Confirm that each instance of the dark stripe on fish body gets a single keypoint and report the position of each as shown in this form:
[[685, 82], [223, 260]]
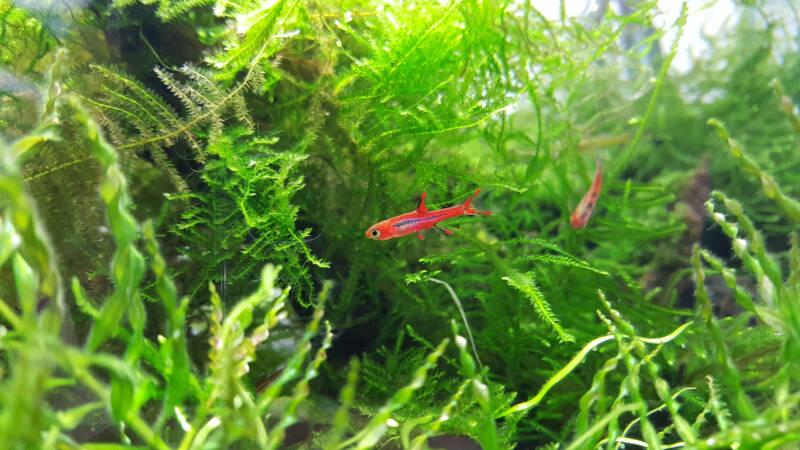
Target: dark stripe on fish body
[[403, 223]]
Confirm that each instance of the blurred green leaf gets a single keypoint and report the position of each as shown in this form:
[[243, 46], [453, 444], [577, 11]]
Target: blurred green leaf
[[26, 283]]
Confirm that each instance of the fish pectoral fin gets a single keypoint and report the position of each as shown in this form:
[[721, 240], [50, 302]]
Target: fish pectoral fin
[[419, 235], [447, 232]]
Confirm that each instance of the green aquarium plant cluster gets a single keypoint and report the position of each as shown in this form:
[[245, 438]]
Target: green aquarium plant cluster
[[185, 189]]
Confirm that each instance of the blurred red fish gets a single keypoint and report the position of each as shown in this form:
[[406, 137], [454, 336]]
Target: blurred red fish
[[584, 210]]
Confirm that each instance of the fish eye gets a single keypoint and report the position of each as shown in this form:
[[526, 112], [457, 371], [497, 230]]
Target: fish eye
[[375, 233]]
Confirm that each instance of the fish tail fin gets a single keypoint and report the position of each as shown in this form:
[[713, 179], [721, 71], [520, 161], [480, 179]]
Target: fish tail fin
[[469, 210]]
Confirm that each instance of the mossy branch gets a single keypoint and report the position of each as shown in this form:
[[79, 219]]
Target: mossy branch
[[786, 105], [526, 284], [772, 190], [742, 402]]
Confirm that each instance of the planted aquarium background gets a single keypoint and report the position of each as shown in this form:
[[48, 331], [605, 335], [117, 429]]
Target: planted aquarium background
[[187, 189]]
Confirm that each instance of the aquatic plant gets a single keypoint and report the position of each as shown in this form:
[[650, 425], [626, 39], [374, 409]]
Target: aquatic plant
[[222, 292], [214, 409]]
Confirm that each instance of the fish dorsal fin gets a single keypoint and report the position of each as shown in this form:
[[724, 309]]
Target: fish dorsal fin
[[421, 207]]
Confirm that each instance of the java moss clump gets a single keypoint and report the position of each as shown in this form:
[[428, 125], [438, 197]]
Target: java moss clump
[[185, 188]]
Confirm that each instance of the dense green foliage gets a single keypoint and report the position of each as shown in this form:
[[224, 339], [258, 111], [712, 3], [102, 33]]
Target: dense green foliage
[[220, 292]]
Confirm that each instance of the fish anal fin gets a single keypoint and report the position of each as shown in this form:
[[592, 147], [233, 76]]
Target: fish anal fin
[[419, 235]]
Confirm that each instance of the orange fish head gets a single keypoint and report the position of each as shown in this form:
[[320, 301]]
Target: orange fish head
[[578, 220], [378, 232]]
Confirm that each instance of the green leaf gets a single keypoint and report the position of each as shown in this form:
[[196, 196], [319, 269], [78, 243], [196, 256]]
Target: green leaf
[[111, 314], [82, 301], [467, 362], [481, 394], [25, 282], [421, 276], [558, 376], [29, 145], [71, 418], [9, 241], [121, 396], [136, 313]]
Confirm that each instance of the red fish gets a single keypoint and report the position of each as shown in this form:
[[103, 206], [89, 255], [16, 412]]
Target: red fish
[[584, 210], [418, 220]]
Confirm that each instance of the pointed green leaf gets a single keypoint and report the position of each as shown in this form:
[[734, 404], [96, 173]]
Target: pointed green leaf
[[25, 282]]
